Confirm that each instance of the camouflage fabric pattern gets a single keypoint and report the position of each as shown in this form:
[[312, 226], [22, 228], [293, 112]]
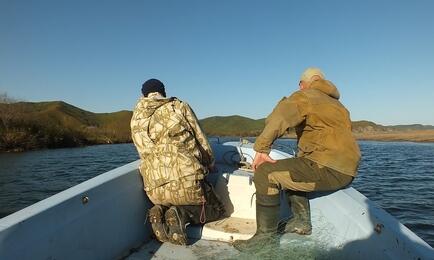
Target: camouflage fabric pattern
[[174, 152]]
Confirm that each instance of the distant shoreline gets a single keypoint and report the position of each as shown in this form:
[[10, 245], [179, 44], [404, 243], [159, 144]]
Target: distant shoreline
[[28, 126], [417, 136]]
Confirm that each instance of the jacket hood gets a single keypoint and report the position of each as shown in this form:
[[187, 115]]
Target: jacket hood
[[326, 87], [147, 106]]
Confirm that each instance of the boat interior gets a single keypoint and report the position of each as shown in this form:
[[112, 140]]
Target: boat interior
[[338, 229]]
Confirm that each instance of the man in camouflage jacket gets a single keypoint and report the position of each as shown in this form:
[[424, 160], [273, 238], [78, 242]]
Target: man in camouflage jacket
[[175, 158]]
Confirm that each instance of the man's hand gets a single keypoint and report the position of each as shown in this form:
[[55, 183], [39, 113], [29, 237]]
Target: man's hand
[[260, 158]]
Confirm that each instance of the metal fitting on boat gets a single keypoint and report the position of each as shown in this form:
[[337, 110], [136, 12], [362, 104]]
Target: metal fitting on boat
[[378, 228], [85, 199]]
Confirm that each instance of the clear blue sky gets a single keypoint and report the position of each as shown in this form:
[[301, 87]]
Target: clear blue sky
[[222, 57]]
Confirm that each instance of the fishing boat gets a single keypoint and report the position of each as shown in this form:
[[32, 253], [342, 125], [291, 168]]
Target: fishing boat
[[105, 218]]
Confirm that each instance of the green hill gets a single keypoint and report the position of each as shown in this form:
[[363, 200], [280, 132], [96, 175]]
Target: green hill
[[368, 126], [232, 126], [243, 126], [29, 125]]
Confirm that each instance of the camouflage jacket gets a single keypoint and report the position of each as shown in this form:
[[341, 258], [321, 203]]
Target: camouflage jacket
[[174, 152]]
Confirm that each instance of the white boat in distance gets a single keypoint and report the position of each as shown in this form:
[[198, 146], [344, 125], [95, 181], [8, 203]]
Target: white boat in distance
[[105, 218]]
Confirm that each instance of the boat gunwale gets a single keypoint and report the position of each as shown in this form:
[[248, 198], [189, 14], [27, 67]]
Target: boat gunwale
[[59, 198]]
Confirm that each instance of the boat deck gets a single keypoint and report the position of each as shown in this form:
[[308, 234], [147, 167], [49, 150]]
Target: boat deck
[[292, 246], [201, 249], [213, 240]]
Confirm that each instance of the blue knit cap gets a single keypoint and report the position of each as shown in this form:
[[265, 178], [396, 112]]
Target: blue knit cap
[[153, 85]]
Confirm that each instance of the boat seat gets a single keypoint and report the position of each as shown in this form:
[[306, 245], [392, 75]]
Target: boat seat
[[230, 185]]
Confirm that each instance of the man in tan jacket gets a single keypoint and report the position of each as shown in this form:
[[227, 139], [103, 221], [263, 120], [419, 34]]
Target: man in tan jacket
[[175, 158], [327, 159]]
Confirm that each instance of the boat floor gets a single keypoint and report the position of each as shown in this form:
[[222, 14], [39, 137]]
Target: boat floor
[[291, 247], [319, 245], [200, 249]]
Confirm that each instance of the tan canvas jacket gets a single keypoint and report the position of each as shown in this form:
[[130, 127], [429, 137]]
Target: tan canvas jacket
[[174, 152], [322, 124]]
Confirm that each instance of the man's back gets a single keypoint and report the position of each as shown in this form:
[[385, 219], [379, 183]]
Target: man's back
[[322, 124], [175, 157], [159, 122], [325, 136], [172, 160]]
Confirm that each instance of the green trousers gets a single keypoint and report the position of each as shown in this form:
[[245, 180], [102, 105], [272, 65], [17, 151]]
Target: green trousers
[[297, 174]]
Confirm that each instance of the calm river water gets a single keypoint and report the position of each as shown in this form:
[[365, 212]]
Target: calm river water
[[399, 176]]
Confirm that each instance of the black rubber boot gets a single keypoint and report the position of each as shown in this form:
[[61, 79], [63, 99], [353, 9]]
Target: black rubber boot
[[267, 217], [158, 226], [300, 222], [176, 221]]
